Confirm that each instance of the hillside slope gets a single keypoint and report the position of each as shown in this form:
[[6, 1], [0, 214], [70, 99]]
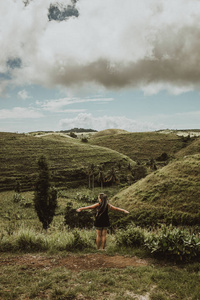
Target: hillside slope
[[141, 146], [68, 159], [170, 195], [108, 132], [193, 148]]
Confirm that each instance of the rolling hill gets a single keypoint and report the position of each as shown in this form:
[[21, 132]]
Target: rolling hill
[[192, 148], [169, 195], [68, 159], [141, 146]]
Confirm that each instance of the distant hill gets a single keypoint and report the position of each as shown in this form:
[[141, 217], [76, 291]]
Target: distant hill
[[77, 130], [192, 148], [68, 159], [141, 146], [169, 195], [108, 132]]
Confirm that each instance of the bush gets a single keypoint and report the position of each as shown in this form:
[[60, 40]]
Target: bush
[[81, 220], [85, 198], [132, 236], [174, 243], [17, 197], [29, 241], [84, 140], [78, 242]]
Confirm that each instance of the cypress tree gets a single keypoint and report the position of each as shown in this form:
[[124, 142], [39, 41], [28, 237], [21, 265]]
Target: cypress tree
[[45, 199]]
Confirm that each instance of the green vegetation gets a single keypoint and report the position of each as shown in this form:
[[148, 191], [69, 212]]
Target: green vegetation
[[68, 160], [141, 146], [45, 198], [161, 191], [174, 244], [169, 195]]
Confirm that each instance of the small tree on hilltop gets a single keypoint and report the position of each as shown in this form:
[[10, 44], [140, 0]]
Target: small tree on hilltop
[[45, 199]]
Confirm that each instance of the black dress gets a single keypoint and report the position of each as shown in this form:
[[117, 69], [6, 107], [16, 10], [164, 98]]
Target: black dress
[[102, 220]]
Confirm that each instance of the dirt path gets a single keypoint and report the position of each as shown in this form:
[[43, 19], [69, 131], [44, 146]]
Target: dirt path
[[73, 262]]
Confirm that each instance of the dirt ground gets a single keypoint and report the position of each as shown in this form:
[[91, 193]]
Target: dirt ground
[[75, 263]]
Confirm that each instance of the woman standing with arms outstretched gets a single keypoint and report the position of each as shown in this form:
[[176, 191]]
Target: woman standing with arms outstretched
[[102, 219]]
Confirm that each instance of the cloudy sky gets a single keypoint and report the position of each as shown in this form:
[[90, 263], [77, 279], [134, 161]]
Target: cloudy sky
[[128, 64]]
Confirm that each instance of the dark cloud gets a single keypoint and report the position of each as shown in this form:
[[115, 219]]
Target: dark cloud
[[174, 60], [14, 63], [61, 13]]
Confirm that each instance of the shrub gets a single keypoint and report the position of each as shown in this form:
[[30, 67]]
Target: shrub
[[132, 236], [73, 135], [174, 243], [81, 220], [28, 240], [17, 197], [85, 198], [78, 242], [84, 140]]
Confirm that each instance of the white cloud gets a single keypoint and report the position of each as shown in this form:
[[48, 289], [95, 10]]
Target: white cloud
[[112, 43], [23, 94], [57, 105], [85, 120], [19, 113]]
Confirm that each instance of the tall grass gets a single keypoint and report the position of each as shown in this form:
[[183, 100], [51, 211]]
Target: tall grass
[[30, 240]]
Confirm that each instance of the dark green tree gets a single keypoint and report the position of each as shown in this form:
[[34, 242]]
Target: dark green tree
[[112, 176], [91, 172], [101, 177], [45, 199]]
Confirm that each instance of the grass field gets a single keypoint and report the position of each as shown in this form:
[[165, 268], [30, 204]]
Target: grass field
[[156, 282], [40, 266], [69, 159], [141, 146], [63, 263]]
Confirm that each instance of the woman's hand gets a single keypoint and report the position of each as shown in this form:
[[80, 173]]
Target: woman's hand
[[126, 211], [78, 210]]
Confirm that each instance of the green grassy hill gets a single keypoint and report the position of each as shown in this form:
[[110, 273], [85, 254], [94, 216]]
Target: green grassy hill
[[192, 148], [169, 195], [68, 159], [141, 146], [109, 132]]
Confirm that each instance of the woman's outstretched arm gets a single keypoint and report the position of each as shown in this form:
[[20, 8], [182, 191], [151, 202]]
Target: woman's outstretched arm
[[87, 207], [118, 209]]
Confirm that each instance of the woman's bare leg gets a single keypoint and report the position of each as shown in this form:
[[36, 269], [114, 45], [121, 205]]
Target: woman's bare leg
[[98, 239], [104, 232]]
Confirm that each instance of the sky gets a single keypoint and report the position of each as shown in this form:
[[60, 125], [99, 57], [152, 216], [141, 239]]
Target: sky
[[99, 64]]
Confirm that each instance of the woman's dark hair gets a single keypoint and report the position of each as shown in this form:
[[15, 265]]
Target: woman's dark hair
[[102, 205]]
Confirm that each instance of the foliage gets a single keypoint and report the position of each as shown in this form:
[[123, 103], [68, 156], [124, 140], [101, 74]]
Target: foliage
[[81, 220], [79, 243], [85, 198], [18, 198], [73, 135], [29, 241], [84, 140], [133, 236], [45, 200], [174, 243]]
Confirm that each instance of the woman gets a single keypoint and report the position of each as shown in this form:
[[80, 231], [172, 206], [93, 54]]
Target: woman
[[102, 219]]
